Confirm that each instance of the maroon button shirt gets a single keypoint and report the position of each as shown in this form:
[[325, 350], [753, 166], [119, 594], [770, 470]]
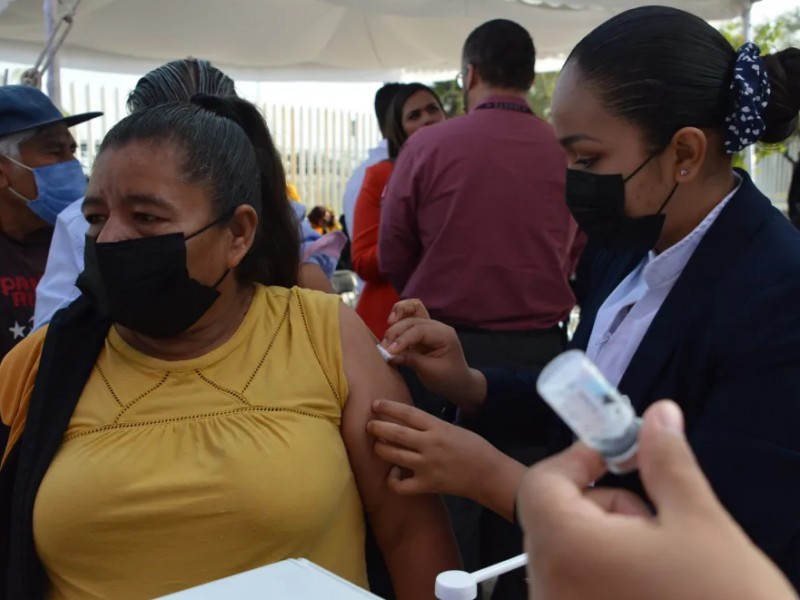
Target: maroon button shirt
[[474, 221]]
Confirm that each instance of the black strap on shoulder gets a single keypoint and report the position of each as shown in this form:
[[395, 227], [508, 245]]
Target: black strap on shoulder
[[74, 339], [7, 477]]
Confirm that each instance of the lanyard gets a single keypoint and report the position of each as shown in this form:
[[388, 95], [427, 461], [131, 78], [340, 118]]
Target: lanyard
[[512, 106]]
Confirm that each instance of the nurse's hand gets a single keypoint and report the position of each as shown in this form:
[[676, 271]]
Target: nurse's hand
[[408, 309], [431, 456], [432, 350], [604, 544]]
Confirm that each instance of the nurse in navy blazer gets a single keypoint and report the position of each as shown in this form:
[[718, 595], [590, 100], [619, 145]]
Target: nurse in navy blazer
[[692, 277]]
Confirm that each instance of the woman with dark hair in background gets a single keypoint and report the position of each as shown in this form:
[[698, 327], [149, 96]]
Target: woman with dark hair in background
[[692, 284], [414, 106], [192, 415]]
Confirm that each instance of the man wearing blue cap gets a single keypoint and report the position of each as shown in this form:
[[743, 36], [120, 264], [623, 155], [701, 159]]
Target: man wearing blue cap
[[39, 176]]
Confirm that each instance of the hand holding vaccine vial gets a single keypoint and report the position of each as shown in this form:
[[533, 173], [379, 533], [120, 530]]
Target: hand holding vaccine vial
[[597, 413]]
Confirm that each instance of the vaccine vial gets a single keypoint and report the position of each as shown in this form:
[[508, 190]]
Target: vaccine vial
[[597, 413]]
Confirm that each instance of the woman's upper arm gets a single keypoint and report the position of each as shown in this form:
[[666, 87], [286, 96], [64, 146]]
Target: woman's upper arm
[[369, 378], [312, 277], [412, 532]]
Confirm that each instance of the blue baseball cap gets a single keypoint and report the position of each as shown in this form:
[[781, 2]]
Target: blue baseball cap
[[23, 108]]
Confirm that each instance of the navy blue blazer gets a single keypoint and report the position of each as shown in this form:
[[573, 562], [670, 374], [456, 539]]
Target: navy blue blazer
[[726, 346]]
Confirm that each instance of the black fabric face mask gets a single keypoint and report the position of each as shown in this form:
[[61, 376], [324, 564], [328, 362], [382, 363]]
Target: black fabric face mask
[[597, 203], [144, 284]]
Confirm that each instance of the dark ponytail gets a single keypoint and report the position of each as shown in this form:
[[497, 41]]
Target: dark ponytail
[[226, 147], [781, 114], [178, 81], [274, 258]]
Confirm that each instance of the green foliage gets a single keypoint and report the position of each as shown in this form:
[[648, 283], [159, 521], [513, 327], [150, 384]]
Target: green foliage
[[542, 93], [776, 35], [14, 76], [771, 37], [452, 97]]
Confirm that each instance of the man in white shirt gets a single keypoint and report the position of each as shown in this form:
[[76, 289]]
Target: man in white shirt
[[383, 98], [64, 262]]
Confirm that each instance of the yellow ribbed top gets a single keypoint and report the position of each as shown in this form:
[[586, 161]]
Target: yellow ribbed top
[[176, 473]]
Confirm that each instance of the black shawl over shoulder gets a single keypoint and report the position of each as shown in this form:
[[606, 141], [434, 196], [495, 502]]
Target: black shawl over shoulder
[[73, 342]]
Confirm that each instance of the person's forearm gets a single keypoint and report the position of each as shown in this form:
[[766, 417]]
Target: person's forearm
[[417, 548], [471, 395], [365, 262], [396, 259], [312, 277], [395, 273], [496, 485]]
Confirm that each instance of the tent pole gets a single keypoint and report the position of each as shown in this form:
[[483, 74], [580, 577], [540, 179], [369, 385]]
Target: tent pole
[[747, 22], [50, 8]]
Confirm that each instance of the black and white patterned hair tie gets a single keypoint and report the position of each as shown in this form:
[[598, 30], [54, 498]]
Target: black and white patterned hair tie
[[750, 88]]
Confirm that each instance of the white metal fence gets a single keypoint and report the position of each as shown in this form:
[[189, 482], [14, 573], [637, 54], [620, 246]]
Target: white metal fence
[[774, 173], [320, 146]]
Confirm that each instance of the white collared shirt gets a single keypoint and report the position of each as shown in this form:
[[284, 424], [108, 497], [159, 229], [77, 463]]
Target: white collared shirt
[[626, 315], [56, 289]]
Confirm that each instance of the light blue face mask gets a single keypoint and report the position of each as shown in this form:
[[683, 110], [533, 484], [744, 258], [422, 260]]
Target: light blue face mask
[[58, 186]]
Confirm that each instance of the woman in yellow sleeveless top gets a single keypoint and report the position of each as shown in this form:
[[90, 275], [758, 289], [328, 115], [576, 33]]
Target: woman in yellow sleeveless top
[[222, 424]]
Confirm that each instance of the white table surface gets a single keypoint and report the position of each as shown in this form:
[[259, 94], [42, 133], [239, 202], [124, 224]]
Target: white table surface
[[295, 579]]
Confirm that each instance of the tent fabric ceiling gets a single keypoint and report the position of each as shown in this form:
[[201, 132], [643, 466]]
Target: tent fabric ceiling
[[335, 36]]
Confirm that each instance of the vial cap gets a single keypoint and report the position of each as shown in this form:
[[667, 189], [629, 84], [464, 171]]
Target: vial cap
[[456, 585]]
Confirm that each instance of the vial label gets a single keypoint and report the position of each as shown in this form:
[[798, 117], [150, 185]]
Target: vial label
[[577, 391], [595, 411]]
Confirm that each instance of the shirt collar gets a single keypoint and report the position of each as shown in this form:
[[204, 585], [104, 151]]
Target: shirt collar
[[664, 268]]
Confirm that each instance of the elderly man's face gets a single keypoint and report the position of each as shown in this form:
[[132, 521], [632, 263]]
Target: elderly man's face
[[50, 145]]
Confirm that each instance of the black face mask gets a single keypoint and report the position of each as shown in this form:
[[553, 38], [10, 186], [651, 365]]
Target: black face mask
[[597, 203], [144, 284]]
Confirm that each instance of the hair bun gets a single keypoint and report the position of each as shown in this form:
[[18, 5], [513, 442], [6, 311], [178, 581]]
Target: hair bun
[[781, 114], [750, 87], [220, 106]]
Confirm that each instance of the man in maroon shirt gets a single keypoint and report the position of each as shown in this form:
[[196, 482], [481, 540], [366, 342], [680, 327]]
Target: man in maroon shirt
[[474, 223]]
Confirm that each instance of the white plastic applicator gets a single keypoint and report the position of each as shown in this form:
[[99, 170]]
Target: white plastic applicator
[[460, 585], [385, 354]]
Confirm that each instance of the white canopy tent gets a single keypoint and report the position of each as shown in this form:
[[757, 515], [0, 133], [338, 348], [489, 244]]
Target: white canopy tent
[[304, 39]]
